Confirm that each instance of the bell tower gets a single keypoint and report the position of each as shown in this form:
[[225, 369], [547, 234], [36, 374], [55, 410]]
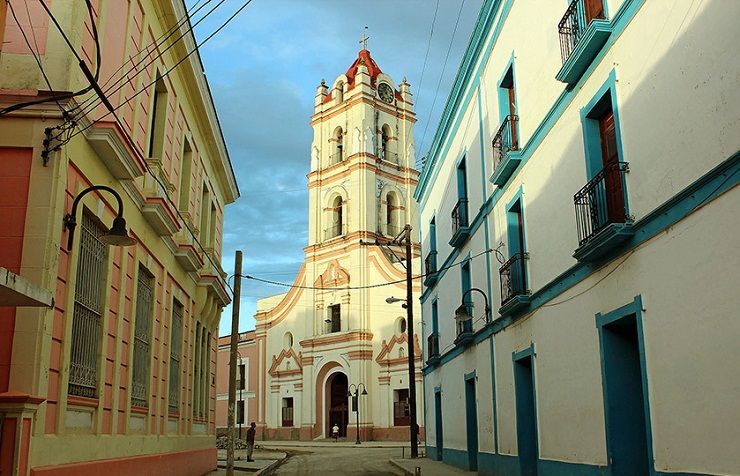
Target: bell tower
[[362, 177]]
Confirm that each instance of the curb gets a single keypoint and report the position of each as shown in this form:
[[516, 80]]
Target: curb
[[401, 467], [271, 466]]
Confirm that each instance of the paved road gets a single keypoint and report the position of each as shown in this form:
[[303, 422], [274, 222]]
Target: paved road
[[345, 460]]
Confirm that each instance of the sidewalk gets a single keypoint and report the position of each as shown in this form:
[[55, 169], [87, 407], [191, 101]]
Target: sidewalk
[[428, 467], [331, 444], [263, 461]]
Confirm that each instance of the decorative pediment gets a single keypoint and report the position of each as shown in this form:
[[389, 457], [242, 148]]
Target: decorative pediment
[[389, 351], [334, 276], [286, 363]]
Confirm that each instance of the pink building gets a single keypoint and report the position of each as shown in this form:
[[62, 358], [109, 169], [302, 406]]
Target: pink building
[[247, 382], [108, 353]]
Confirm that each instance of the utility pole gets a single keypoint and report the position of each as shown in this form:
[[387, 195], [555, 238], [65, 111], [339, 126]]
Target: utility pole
[[232, 361], [410, 331]]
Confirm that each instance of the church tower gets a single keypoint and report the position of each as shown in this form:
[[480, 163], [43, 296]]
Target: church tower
[[333, 328]]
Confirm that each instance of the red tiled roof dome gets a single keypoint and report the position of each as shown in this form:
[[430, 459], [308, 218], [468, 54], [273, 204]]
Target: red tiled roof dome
[[372, 67]]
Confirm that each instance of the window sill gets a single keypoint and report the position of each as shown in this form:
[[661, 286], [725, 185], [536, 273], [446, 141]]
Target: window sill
[[460, 236], [83, 401], [506, 168], [515, 304], [588, 47], [139, 409], [604, 241]]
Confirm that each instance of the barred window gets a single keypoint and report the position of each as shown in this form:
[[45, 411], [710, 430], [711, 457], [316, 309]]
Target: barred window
[[88, 310], [175, 352], [142, 337]]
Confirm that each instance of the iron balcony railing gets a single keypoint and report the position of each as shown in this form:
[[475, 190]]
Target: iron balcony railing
[[334, 231], [573, 25], [430, 263], [513, 277], [433, 345], [601, 201], [464, 327], [460, 215], [505, 140], [336, 157]]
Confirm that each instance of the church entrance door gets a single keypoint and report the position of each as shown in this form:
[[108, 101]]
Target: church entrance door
[[337, 408]]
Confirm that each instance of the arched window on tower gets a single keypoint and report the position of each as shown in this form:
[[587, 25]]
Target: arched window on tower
[[337, 219], [339, 91], [338, 150], [392, 210], [385, 149]]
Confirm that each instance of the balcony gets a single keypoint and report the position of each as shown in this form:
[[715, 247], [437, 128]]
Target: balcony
[[157, 208], [582, 35], [601, 213], [433, 348], [336, 157], [464, 329], [335, 231], [506, 155], [460, 227], [430, 269], [514, 293]]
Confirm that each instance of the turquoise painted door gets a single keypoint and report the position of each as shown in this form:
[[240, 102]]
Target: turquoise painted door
[[526, 419], [439, 442], [626, 430], [471, 421]]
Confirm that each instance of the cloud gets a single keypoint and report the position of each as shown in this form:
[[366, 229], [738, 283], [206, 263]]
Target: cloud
[[263, 69]]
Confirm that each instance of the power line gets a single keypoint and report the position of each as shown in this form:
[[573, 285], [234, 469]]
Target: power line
[[370, 286], [441, 75], [81, 63], [91, 103], [167, 72], [426, 55]]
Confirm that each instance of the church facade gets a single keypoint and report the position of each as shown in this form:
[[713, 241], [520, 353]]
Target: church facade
[[333, 330]]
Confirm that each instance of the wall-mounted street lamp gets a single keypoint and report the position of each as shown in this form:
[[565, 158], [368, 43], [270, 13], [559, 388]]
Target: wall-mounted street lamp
[[356, 404], [117, 235], [393, 300], [462, 314]]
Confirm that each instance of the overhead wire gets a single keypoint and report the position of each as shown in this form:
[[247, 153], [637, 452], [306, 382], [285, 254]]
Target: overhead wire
[[165, 73], [426, 55], [441, 75], [93, 102], [82, 64]]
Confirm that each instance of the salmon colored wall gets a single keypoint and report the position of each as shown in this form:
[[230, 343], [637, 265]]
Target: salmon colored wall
[[38, 19], [181, 463], [15, 171]]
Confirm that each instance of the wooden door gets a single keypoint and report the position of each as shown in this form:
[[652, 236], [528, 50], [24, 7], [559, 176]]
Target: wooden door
[[512, 118], [594, 9], [613, 187]]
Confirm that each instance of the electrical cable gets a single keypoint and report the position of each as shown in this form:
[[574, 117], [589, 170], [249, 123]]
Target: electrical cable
[[167, 72], [370, 286], [82, 64], [93, 102], [441, 75], [426, 55]]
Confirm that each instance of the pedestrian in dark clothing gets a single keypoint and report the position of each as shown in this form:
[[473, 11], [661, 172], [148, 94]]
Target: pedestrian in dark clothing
[[250, 440]]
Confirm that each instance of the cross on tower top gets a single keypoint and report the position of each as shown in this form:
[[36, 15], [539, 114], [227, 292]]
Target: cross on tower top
[[363, 40]]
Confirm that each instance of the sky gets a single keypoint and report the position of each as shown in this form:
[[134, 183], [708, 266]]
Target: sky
[[263, 69]]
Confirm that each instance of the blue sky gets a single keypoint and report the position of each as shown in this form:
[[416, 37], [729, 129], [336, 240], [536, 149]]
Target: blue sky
[[263, 69]]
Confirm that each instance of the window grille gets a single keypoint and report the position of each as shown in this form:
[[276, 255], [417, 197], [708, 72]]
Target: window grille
[[88, 310], [142, 338], [175, 352]]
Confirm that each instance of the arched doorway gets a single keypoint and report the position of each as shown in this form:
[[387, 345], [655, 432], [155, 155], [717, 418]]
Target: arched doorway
[[337, 409]]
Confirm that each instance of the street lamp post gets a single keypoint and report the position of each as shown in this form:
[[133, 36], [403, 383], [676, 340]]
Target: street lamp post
[[356, 404], [117, 235], [461, 313]]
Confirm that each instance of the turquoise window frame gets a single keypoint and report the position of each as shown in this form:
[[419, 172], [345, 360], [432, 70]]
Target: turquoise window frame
[[512, 224], [634, 308], [433, 234], [461, 175], [503, 96], [607, 94]]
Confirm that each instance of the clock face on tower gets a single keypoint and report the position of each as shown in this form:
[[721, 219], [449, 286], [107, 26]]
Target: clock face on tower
[[385, 92]]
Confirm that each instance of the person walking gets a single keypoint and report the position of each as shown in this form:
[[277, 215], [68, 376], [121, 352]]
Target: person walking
[[335, 432], [250, 440]]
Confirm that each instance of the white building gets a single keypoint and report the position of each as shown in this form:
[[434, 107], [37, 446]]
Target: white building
[[589, 191], [333, 329]]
